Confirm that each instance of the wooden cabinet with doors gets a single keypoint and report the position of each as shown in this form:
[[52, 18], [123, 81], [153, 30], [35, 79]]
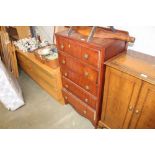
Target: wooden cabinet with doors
[[82, 68], [129, 92]]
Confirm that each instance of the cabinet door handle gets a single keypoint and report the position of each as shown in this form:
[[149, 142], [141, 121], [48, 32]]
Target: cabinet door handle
[[87, 87], [66, 97], [62, 46], [69, 46], [137, 111], [86, 56], [63, 62], [130, 108]]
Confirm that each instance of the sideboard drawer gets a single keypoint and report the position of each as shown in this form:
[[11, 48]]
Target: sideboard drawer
[[79, 92], [79, 68], [80, 106], [90, 56], [79, 80]]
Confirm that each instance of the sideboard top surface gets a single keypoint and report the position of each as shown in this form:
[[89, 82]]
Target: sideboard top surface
[[135, 63]]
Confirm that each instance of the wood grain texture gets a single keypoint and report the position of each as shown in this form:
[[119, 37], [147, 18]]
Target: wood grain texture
[[129, 92], [48, 78]]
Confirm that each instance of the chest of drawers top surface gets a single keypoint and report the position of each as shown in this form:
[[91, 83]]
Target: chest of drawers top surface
[[135, 63]]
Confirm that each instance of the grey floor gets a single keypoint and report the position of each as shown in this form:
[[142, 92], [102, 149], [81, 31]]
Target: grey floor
[[41, 111]]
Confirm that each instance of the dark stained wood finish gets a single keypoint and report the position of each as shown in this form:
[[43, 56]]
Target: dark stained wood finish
[[129, 92], [79, 92], [82, 68]]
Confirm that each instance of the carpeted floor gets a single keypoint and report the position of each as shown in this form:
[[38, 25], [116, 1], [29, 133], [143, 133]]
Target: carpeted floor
[[40, 111]]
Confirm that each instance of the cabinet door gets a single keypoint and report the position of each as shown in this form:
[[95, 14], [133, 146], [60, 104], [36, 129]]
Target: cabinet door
[[144, 113], [120, 95]]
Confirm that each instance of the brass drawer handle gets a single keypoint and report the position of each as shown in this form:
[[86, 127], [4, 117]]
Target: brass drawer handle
[[63, 62], [86, 74], [66, 97], [130, 108], [66, 86], [85, 112], [86, 56], [86, 100], [62, 46], [69, 46], [66, 74], [87, 87]]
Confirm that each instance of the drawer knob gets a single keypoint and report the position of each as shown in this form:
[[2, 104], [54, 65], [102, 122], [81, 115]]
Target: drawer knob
[[85, 112], [66, 86], [66, 74], [86, 74], [86, 56], [87, 87], [130, 108], [86, 100], [63, 62], [69, 46], [66, 97], [62, 46]]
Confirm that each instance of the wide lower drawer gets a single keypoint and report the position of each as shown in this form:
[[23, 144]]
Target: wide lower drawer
[[79, 80], [81, 69], [39, 73], [80, 106], [79, 92]]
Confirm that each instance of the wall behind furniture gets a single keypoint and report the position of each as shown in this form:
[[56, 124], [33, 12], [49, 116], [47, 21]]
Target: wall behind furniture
[[145, 36]]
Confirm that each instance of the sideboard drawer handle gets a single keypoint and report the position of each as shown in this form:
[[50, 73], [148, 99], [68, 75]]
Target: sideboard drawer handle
[[137, 112], [87, 87], [85, 112], [62, 46], [130, 108], [66, 86], [86, 56], [86, 100], [63, 62], [86, 74], [66, 74]]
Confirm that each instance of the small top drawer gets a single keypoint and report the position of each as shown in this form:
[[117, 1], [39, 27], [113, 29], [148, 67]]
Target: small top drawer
[[77, 50], [90, 56]]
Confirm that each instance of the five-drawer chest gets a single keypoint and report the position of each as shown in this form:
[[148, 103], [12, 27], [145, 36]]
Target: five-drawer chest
[[83, 70]]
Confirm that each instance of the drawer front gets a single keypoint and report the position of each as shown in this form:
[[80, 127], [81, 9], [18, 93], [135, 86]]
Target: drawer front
[[62, 44], [80, 93], [37, 73], [80, 69], [79, 80], [90, 56], [75, 49], [80, 106]]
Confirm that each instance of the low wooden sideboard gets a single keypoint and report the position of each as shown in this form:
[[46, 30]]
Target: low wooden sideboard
[[129, 92], [48, 78], [82, 69]]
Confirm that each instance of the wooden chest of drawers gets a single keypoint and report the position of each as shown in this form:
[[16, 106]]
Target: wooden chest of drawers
[[129, 92], [82, 69], [48, 78]]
